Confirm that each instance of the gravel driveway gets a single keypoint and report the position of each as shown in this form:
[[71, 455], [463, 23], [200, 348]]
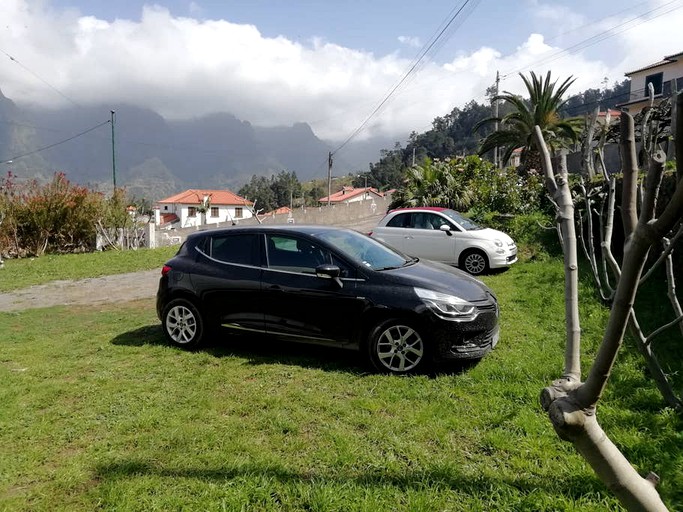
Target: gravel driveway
[[83, 292], [100, 290]]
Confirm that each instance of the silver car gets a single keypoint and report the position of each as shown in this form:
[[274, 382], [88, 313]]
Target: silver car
[[443, 235]]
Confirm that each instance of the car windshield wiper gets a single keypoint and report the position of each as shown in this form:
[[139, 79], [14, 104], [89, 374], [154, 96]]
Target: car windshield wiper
[[406, 263]]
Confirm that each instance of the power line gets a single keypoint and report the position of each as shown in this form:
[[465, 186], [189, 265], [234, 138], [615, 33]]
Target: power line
[[557, 36], [412, 68], [13, 59], [53, 145], [599, 37]]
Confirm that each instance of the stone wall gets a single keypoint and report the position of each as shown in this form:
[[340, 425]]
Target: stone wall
[[359, 215]]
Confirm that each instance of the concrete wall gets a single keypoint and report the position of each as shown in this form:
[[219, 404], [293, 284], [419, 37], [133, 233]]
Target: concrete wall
[[362, 215]]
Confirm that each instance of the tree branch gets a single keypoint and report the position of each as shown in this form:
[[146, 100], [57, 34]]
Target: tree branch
[[629, 169]]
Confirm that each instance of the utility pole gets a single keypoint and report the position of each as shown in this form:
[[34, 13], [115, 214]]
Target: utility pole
[[329, 178], [496, 163], [413, 156], [113, 149]]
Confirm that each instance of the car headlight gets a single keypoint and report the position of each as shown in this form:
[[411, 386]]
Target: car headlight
[[499, 243], [448, 307]]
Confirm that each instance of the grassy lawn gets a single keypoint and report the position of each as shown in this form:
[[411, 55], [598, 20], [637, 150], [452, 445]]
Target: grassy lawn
[[98, 413], [29, 271]]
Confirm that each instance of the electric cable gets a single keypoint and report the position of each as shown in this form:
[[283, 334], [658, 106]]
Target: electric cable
[[597, 38], [9, 160], [16, 61], [414, 65]]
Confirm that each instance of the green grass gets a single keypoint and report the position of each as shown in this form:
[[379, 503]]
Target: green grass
[[19, 273], [98, 413]]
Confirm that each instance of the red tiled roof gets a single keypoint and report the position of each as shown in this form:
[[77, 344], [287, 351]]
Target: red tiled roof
[[612, 113], [281, 211], [347, 193], [195, 196], [167, 218]]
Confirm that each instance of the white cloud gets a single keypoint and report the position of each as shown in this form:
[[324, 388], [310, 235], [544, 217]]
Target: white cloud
[[413, 42], [195, 9], [184, 67]]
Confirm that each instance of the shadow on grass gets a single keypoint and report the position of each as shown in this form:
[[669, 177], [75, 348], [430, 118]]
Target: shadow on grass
[[255, 349], [262, 350], [576, 487]]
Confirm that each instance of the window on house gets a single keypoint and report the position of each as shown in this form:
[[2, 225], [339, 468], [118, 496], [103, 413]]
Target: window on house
[[192, 211], [238, 213], [214, 211], [656, 80], [165, 208]]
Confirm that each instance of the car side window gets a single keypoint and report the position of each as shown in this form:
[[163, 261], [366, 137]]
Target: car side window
[[242, 249], [294, 254], [423, 220], [437, 221], [402, 220]]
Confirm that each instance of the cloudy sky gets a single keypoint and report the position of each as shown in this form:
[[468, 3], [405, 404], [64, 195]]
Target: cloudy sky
[[327, 63]]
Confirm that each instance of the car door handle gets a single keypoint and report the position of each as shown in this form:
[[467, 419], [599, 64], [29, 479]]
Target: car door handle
[[275, 288], [408, 237]]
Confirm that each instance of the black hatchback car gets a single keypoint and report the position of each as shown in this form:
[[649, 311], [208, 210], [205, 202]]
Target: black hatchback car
[[325, 285]]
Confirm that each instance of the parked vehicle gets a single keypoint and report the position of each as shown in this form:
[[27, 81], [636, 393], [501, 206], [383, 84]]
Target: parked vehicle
[[324, 285], [443, 235]]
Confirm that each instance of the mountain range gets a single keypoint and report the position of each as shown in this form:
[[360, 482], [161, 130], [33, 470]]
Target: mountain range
[[156, 157]]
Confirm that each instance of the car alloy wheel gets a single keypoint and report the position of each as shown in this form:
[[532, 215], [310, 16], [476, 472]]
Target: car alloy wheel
[[475, 263], [397, 348], [183, 324]]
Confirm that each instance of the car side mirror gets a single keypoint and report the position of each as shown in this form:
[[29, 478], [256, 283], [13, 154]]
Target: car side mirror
[[327, 271], [446, 228]]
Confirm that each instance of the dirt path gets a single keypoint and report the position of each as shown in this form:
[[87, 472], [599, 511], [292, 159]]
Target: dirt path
[[100, 290], [83, 292]]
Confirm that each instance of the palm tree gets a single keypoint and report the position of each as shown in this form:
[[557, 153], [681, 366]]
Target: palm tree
[[542, 109], [433, 183]]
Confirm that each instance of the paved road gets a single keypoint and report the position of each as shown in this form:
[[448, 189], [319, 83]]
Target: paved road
[[100, 290]]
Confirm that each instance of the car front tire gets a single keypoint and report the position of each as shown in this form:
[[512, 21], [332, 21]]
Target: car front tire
[[397, 348], [183, 324], [474, 262]]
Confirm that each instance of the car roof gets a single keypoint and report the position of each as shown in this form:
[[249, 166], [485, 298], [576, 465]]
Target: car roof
[[260, 228], [428, 208]]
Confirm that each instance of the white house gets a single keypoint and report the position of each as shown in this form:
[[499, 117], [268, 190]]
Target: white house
[[351, 195], [663, 75], [185, 209]]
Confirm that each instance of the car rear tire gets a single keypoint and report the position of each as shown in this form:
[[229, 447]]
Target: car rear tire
[[474, 262], [398, 348], [183, 324]]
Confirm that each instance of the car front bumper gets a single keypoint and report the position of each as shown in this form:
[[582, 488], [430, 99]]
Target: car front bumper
[[503, 259], [465, 340]]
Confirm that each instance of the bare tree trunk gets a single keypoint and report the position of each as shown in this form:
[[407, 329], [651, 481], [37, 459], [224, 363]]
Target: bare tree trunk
[[571, 405], [587, 153], [558, 188], [629, 168]]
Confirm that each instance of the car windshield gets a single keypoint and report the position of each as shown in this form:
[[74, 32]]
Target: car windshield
[[466, 224], [364, 250]]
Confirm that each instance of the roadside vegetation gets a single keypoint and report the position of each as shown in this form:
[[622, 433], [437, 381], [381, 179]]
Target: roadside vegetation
[[99, 413]]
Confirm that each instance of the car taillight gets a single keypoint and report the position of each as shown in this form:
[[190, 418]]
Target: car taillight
[[369, 233], [165, 270]]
